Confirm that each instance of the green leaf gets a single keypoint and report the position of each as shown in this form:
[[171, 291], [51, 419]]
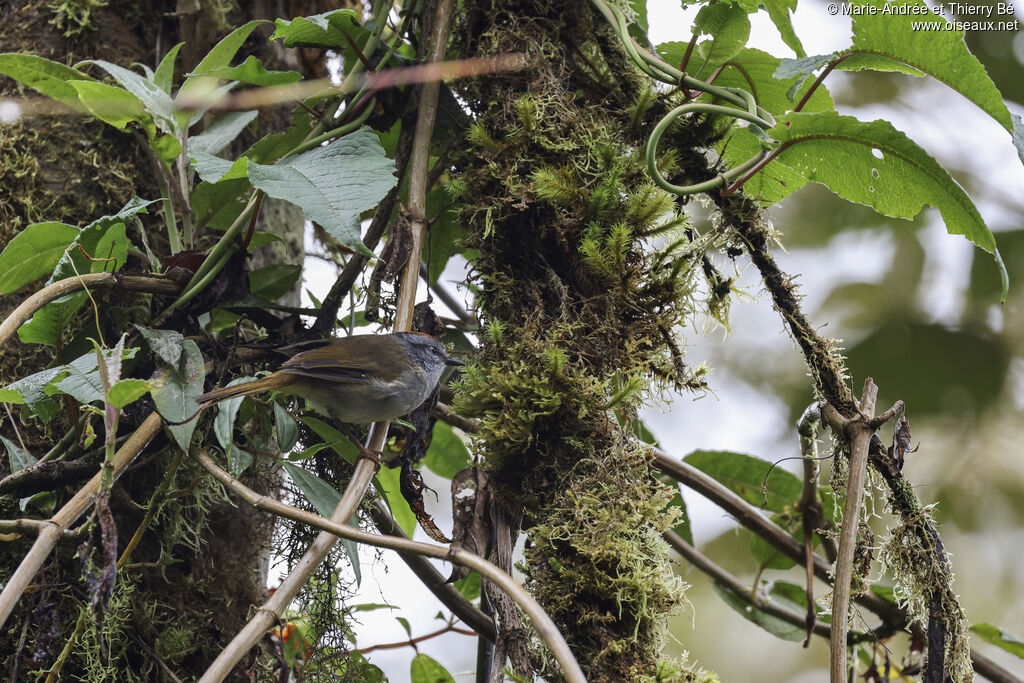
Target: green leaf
[[109, 103], [219, 56], [164, 74], [767, 555], [274, 281], [469, 586], [447, 453], [321, 30], [223, 52], [218, 205], [214, 169], [238, 460], [385, 481], [286, 427], [337, 441], [84, 387], [872, 163], [332, 184], [227, 412], [262, 239], [1000, 638], [682, 526], [221, 132], [405, 624], [743, 475], [166, 345], [176, 388], [17, 457], [729, 29], [33, 253], [777, 627], [95, 243], [446, 233], [940, 54], [47, 324], [779, 13], [388, 485], [325, 499], [155, 99], [167, 148], [128, 391], [425, 670], [45, 76], [252, 71], [35, 389]]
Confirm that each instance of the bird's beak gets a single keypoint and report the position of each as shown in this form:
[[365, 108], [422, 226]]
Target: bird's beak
[[453, 361]]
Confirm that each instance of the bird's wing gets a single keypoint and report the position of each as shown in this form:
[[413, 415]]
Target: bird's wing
[[329, 363]]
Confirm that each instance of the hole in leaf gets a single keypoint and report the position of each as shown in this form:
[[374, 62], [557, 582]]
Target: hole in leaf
[[874, 173], [877, 153]]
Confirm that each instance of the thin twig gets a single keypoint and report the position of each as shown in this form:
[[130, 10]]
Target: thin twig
[[29, 306], [72, 510], [450, 627], [858, 430], [546, 628]]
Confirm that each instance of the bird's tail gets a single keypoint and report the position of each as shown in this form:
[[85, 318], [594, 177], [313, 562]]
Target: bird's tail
[[267, 383]]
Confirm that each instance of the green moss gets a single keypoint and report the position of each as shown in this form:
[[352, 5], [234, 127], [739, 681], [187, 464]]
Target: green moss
[[73, 17]]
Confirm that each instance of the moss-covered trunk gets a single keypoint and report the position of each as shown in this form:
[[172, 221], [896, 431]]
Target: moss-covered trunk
[[579, 311], [200, 567]]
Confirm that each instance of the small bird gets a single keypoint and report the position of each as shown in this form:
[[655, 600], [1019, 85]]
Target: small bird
[[357, 379]]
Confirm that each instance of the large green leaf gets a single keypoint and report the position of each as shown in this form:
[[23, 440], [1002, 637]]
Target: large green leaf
[[164, 74], [33, 253], [447, 453], [777, 627], [47, 324], [155, 100], [176, 389], [332, 185], [743, 475], [110, 104], [221, 132], [218, 57], [325, 499], [1000, 638], [253, 72], [322, 30], [103, 238], [36, 389], [885, 39], [943, 55], [274, 281], [44, 76], [729, 29], [872, 163], [17, 457], [424, 669]]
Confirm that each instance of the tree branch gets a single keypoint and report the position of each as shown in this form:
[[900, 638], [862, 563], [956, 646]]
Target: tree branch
[[72, 510], [339, 529], [137, 283]]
